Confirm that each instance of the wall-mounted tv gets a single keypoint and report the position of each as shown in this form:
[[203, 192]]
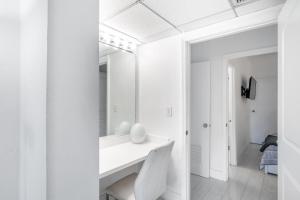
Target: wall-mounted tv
[[250, 92]]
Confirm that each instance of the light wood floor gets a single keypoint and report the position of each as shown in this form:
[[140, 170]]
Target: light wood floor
[[246, 182]]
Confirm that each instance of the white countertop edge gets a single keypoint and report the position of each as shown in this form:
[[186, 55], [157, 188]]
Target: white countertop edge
[[150, 138]]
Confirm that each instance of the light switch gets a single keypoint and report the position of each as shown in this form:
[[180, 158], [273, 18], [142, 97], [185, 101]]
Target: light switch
[[170, 111]]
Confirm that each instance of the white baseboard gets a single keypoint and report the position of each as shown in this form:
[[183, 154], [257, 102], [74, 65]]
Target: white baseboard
[[218, 174], [171, 195]]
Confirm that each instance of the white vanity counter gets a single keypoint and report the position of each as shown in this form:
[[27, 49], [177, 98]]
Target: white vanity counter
[[116, 154]]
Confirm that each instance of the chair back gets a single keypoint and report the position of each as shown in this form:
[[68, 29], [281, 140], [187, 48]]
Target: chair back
[[151, 182]]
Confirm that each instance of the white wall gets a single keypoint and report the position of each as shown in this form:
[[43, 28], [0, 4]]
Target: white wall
[[214, 51], [253, 39], [121, 89], [9, 99], [33, 99], [264, 120], [160, 87], [72, 100]]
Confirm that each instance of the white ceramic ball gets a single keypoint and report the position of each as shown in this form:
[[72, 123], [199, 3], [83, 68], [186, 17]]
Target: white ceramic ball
[[138, 133], [124, 128]]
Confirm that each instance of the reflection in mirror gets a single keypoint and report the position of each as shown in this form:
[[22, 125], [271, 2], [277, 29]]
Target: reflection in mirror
[[117, 91]]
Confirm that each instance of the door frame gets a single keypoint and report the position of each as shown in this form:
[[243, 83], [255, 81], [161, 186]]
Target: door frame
[[232, 154], [226, 58], [248, 22]]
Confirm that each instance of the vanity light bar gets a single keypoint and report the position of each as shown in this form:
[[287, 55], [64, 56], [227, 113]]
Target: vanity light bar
[[119, 47], [116, 39]]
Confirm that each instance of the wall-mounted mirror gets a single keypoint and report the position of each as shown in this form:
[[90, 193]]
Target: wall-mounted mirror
[[117, 87]]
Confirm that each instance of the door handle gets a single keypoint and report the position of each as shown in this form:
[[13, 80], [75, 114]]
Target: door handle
[[205, 125]]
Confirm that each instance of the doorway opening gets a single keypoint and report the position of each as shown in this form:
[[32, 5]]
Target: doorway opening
[[252, 122], [209, 120]]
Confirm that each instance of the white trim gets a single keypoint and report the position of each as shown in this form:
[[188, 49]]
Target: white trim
[[186, 72], [108, 85], [231, 124], [240, 24], [217, 174], [136, 87], [254, 52], [252, 21], [225, 121], [283, 17]]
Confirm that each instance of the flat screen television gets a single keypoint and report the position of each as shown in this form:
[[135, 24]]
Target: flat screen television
[[251, 92]]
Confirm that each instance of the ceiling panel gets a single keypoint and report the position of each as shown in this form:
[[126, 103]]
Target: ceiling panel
[[257, 5], [139, 22], [183, 11], [111, 7], [212, 19]]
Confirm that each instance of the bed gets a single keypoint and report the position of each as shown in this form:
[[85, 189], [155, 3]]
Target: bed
[[269, 160]]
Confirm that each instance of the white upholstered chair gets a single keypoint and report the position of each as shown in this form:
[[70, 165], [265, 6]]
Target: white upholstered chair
[[150, 183]]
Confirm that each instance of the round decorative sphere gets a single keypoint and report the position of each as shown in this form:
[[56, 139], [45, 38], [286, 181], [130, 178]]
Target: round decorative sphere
[[138, 133], [124, 128]]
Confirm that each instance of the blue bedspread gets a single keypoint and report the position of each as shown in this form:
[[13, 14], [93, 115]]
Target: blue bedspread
[[270, 157]]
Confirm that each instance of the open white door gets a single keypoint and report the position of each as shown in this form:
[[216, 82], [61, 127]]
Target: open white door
[[289, 101], [200, 118], [231, 117]]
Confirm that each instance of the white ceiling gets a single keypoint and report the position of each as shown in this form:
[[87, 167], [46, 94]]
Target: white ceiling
[[109, 8], [263, 66], [257, 5], [148, 20], [139, 22], [184, 11]]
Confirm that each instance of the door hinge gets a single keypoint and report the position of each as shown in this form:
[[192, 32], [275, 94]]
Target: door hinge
[[228, 148], [226, 124], [186, 132]]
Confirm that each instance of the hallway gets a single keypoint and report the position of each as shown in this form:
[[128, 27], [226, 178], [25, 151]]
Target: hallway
[[246, 182]]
